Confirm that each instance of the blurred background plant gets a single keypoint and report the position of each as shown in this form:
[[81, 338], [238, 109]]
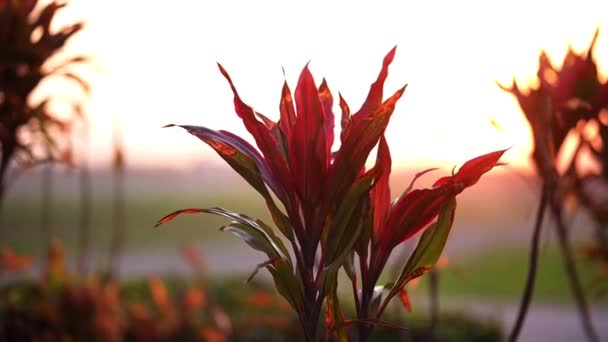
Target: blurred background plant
[[34, 127], [568, 116]]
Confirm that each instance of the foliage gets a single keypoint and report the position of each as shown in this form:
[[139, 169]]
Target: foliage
[[32, 52], [332, 207], [570, 101], [62, 306]]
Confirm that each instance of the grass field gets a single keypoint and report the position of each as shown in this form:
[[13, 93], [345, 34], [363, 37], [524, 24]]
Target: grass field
[[500, 274], [21, 222], [496, 271]]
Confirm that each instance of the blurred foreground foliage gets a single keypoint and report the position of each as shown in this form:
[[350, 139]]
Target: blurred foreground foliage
[[60, 305]]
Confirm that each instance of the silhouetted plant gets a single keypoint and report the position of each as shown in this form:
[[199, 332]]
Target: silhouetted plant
[[29, 55], [569, 99], [333, 206]]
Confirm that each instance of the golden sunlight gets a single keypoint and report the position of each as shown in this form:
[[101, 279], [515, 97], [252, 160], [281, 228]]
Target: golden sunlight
[[157, 66]]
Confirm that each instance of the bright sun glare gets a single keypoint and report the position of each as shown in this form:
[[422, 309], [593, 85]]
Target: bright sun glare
[[158, 66]]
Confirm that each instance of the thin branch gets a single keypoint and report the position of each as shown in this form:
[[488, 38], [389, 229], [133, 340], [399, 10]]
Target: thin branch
[[532, 268], [571, 272]]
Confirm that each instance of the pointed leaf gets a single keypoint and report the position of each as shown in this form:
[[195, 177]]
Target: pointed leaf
[[345, 118], [248, 163], [288, 113], [346, 225], [429, 247], [255, 238], [260, 237], [308, 151], [380, 194], [374, 97], [412, 213], [360, 138], [265, 142], [255, 232], [327, 101], [471, 171]]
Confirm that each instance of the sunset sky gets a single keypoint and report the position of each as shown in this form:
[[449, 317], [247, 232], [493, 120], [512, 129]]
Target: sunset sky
[[157, 65]]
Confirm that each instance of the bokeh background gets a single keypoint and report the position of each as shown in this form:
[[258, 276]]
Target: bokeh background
[[155, 64]]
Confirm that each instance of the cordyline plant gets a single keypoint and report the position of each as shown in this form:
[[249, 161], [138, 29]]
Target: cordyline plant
[[34, 132], [569, 101], [332, 207]]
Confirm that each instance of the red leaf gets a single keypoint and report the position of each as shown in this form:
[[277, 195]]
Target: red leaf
[[345, 119], [327, 101], [265, 141], [412, 213], [360, 137], [471, 171], [374, 97], [268, 122], [405, 300], [176, 213], [380, 194], [288, 113], [308, 151]]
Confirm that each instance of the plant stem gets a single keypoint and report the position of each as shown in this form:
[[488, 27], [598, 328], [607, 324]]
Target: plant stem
[[85, 220], [118, 234], [532, 267], [46, 207], [571, 272], [434, 301], [312, 307], [367, 292]]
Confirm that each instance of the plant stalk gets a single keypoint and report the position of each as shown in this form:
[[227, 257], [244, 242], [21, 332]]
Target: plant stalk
[[85, 220], [46, 213], [571, 272], [532, 267], [119, 227]]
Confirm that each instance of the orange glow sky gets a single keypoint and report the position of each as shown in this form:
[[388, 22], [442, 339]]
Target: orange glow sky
[[157, 66]]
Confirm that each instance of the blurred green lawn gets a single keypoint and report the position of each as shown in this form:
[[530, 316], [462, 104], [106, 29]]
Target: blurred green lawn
[[485, 272], [22, 221], [500, 274]]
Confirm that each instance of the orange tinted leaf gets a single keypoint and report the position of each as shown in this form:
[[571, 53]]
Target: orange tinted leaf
[[265, 142], [194, 299], [177, 213], [159, 292], [405, 300], [288, 113], [209, 334], [11, 262], [380, 193], [327, 101], [247, 162], [471, 171]]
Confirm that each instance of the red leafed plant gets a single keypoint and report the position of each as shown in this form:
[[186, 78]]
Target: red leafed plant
[[332, 206]]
